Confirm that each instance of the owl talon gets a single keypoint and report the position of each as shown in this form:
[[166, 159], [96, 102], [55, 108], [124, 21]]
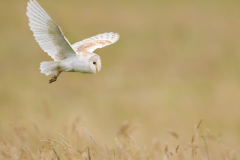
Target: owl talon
[[54, 78]]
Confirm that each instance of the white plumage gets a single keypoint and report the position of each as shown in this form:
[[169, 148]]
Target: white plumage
[[67, 58]]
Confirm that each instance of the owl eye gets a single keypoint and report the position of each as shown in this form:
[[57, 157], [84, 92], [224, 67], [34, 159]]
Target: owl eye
[[94, 62]]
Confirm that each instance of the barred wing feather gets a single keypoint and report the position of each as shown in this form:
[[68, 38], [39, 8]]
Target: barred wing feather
[[98, 41], [49, 35]]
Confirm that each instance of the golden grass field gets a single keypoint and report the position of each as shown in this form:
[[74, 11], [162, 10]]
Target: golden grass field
[[176, 62]]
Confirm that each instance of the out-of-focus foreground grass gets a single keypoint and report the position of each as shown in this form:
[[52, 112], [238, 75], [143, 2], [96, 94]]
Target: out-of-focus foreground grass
[[175, 62]]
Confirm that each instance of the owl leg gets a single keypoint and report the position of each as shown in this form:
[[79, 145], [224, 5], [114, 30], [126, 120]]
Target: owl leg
[[54, 78]]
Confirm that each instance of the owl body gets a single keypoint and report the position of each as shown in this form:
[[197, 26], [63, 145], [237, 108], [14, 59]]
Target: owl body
[[84, 62], [78, 57]]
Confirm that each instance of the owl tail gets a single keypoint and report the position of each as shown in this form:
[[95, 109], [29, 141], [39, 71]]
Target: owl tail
[[50, 67]]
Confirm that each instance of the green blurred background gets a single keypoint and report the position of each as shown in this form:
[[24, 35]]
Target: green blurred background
[[175, 63]]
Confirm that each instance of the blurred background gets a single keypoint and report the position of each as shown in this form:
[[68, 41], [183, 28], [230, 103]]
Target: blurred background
[[175, 63]]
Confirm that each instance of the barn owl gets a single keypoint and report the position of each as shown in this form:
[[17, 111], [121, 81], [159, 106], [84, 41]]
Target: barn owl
[[78, 57]]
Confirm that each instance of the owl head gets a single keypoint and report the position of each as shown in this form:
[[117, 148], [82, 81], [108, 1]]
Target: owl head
[[94, 63], [91, 62]]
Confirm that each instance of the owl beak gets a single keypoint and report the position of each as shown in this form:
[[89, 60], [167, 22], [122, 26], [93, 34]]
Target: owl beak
[[96, 67]]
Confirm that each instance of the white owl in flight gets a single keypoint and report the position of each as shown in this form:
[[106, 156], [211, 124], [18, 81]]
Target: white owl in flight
[[78, 57]]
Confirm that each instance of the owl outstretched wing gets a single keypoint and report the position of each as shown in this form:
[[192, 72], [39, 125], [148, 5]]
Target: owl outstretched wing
[[98, 41], [49, 35]]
